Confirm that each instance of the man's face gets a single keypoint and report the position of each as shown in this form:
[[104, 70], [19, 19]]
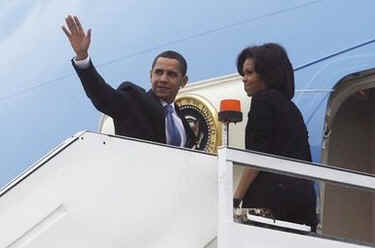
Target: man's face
[[167, 79]]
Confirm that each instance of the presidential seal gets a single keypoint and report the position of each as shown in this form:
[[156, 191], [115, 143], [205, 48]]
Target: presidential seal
[[202, 118]]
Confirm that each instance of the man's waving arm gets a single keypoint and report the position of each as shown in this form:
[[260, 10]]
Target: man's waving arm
[[103, 96]]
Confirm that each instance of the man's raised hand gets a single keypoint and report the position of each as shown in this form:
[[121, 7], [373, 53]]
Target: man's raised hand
[[79, 40]]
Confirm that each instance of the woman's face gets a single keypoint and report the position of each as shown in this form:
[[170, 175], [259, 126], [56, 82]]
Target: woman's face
[[251, 80]]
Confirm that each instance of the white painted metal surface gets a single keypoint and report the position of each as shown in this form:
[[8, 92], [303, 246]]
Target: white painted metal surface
[[302, 169], [231, 234], [103, 191]]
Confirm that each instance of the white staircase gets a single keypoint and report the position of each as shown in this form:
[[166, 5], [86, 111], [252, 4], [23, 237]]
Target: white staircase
[[104, 191]]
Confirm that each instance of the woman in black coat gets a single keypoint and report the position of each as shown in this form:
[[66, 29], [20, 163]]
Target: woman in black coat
[[275, 126]]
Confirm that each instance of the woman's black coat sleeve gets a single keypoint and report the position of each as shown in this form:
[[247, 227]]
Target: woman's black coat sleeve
[[259, 126]]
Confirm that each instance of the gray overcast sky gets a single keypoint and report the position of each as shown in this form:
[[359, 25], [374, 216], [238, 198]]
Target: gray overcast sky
[[42, 102]]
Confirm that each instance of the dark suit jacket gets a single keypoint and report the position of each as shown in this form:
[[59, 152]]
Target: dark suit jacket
[[276, 126], [135, 112]]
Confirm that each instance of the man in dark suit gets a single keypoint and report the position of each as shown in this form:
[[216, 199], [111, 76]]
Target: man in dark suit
[[136, 113]]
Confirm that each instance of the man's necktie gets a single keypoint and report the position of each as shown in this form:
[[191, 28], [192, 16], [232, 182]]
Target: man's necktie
[[173, 134]]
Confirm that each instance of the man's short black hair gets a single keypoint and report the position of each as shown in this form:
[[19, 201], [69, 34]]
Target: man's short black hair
[[272, 64], [173, 55]]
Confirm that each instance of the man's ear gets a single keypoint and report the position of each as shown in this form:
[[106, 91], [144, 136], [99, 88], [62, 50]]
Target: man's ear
[[184, 81], [150, 75]]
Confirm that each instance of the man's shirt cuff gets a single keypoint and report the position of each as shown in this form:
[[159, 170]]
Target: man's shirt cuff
[[82, 64]]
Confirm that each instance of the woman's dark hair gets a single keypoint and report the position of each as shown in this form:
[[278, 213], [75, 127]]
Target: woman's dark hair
[[272, 65]]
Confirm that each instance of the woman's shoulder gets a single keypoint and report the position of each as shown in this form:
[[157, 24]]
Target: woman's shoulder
[[268, 93], [270, 96], [275, 101]]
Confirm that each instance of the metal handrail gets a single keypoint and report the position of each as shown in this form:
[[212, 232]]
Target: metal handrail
[[300, 169]]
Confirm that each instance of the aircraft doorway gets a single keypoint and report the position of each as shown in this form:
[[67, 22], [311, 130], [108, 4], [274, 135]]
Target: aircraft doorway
[[349, 142]]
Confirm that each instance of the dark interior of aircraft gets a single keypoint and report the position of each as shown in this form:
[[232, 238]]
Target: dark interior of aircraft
[[350, 213]]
